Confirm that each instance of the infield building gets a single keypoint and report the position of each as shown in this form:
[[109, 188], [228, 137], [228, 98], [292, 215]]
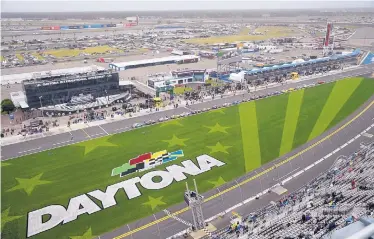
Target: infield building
[[56, 87]]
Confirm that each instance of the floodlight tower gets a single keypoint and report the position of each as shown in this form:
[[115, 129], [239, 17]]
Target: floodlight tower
[[328, 46], [194, 200]]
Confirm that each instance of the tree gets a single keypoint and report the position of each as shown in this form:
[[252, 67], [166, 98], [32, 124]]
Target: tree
[[7, 106]]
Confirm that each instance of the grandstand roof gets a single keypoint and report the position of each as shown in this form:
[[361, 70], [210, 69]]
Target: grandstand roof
[[18, 78], [319, 60], [154, 60]]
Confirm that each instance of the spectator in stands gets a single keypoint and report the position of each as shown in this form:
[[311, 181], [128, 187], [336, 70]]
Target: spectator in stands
[[318, 228], [307, 216], [303, 218], [332, 226], [332, 204], [252, 217], [353, 184], [348, 220], [310, 204]]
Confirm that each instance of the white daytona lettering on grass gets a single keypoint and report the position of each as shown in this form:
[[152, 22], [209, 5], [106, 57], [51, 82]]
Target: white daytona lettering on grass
[[83, 204]]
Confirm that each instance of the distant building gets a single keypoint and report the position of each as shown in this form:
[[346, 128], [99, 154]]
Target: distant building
[[153, 62], [181, 77]]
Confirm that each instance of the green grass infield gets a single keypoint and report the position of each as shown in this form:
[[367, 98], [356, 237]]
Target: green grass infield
[[244, 137]]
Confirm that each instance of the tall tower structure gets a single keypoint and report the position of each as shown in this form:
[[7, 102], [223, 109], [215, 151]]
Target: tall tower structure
[[194, 200], [328, 41]]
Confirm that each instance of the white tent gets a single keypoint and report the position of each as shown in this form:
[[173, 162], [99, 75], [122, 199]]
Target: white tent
[[237, 77]]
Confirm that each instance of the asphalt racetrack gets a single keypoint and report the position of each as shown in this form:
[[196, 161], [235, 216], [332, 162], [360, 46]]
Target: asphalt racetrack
[[160, 226]]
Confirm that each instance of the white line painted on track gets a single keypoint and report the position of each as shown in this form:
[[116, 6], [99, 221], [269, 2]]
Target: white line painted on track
[[103, 129], [286, 174], [119, 129], [298, 173], [63, 142], [21, 152]]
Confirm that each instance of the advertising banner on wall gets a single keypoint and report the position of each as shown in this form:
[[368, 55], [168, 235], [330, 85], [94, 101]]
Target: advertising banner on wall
[[55, 28], [75, 27], [94, 26], [111, 25], [46, 28], [130, 24], [369, 59]]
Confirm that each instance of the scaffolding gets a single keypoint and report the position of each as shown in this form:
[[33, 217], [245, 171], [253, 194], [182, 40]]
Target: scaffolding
[[194, 200]]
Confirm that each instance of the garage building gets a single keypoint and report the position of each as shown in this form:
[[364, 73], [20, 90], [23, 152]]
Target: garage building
[[153, 62]]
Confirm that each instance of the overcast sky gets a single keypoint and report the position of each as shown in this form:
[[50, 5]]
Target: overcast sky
[[142, 5]]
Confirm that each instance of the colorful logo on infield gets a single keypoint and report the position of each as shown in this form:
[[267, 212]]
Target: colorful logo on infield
[[146, 161]]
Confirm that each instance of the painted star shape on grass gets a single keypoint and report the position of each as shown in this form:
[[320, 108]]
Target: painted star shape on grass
[[91, 145], [28, 185], [172, 122], [86, 235], [154, 202], [217, 128], [219, 148], [220, 110], [217, 183], [6, 218], [175, 141], [4, 164]]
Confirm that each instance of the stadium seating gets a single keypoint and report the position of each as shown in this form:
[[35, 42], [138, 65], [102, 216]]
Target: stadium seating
[[82, 103], [342, 195]]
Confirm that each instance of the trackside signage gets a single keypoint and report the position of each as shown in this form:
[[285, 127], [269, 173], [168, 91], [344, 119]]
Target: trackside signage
[[83, 204]]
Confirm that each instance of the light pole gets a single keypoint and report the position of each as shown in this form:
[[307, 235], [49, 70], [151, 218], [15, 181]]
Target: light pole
[[107, 97], [41, 106]]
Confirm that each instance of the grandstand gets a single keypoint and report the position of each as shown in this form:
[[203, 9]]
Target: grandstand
[[153, 62], [338, 204], [59, 89], [277, 72], [83, 102]]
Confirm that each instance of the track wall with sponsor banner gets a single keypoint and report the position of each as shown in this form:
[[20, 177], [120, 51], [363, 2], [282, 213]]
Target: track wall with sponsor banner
[[130, 22], [93, 26], [89, 26], [369, 59]]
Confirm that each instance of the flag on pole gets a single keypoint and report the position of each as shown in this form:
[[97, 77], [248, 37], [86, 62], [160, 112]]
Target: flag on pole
[[220, 54]]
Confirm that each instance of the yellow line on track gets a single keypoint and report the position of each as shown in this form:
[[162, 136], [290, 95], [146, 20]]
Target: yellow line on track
[[249, 179]]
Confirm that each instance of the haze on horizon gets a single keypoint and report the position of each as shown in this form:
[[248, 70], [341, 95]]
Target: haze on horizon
[[174, 5]]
